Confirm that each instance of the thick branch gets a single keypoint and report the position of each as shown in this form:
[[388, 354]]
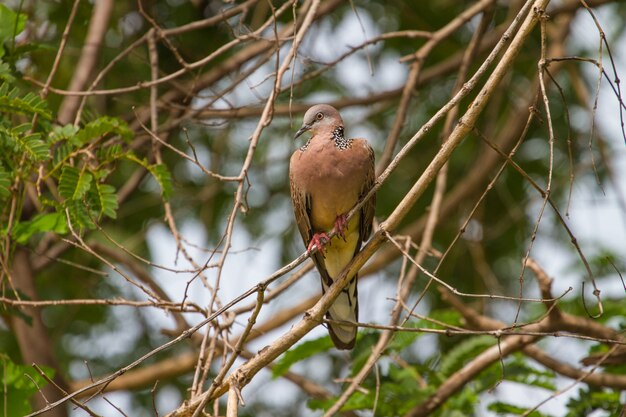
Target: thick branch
[[98, 26]]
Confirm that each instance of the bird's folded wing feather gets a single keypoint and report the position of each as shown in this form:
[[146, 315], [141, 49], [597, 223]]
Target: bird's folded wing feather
[[302, 211], [369, 208]]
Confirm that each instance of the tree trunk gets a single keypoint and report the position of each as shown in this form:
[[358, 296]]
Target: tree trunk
[[32, 338]]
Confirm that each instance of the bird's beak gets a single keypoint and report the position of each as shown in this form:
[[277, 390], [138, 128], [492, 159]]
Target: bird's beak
[[303, 129]]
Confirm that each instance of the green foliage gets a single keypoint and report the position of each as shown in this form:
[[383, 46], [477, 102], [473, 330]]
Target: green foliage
[[100, 127], [160, 172], [80, 216], [74, 183], [23, 141], [519, 370], [104, 200], [82, 177], [5, 73], [300, 352], [401, 388], [11, 24], [399, 391], [45, 222], [366, 340], [614, 309], [29, 104], [402, 340], [504, 409], [591, 399], [59, 133], [82, 186], [163, 177], [5, 184], [467, 398], [463, 352], [19, 384]]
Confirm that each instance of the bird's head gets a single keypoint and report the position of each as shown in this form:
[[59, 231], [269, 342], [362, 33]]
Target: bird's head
[[320, 117]]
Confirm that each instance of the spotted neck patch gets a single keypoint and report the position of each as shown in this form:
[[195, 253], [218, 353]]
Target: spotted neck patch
[[340, 141], [306, 145]]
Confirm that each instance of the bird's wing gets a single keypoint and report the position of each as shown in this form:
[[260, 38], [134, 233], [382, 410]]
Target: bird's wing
[[369, 208], [302, 211]]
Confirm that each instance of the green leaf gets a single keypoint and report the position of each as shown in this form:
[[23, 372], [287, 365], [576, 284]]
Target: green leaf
[[591, 399], [163, 177], [519, 370], [25, 142], [357, 401], [449, 316], [109, 153], [19, 384], [401, 340], [103, 199], [73, 183], [454, 413], [464, 352], [45, 222], [11, 102], [158, 171], [60, 133], [100, 127], [504, 409], [80, 216], [132, 157], [5, 72], [365, 342], [34, 147], [11, 24], [300, 352], [5, 184], [398, 392], [62, 153]]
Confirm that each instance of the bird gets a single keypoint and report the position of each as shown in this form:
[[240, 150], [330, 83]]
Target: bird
[[328, 175]]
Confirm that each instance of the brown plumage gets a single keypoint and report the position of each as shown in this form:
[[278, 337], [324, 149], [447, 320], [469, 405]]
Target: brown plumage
[[328, 176]]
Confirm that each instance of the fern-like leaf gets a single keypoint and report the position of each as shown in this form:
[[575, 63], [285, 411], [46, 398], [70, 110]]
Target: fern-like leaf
[[34, 147], [61, 154], [464, 352], [45, 222], [60, 133], [104, 200], [109, 153], [5, 184], [30, 104], [5, 73], [80, 216], [504, 409], [163, 177], [74, 184], [24, 142], [100, 127], [158, 171]]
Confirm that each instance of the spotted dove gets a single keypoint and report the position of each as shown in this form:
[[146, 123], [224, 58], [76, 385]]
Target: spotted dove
[[328, 175]]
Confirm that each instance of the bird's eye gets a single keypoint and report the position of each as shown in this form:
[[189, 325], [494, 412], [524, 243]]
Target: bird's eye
[[319, 116]]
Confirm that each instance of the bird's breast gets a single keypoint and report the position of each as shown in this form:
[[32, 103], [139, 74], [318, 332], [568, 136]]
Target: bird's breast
[[331, 177]]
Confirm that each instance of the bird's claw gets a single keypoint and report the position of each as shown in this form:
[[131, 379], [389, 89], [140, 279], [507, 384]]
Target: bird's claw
[[341, 225], [319, 240]]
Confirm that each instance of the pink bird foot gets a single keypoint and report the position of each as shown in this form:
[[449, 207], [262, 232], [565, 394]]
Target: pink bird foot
[[341, 225], [318, 240]]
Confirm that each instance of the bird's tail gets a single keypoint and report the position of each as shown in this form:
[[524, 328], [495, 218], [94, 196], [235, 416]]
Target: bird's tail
[[344, 308]]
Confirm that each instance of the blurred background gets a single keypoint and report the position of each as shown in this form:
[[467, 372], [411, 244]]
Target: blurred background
[[180, 230]]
